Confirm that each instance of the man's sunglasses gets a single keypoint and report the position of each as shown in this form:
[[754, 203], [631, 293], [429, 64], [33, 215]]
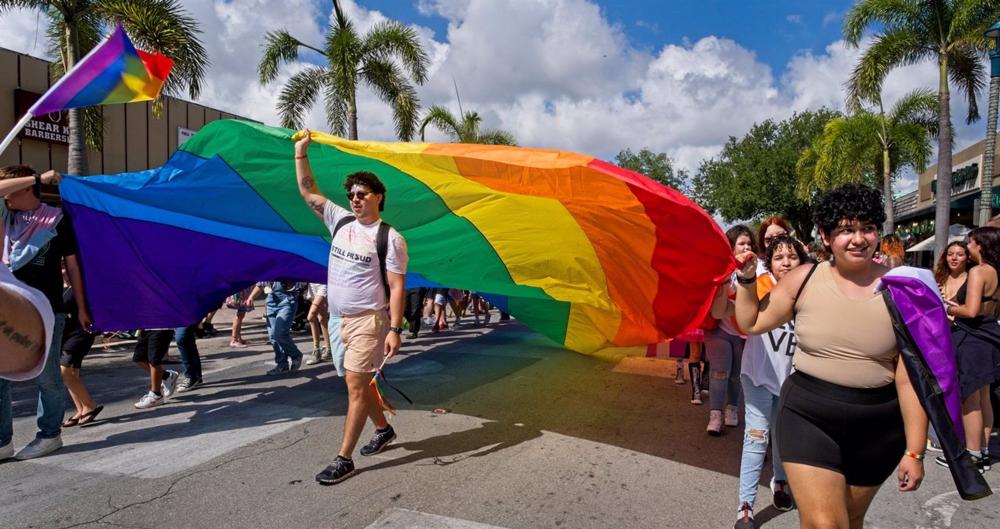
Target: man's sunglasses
[[360, 194]]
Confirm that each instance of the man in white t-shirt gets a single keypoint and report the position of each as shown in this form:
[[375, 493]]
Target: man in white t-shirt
[[357, 288]]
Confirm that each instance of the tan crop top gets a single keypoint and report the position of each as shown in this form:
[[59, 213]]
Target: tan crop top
[[840, 340]]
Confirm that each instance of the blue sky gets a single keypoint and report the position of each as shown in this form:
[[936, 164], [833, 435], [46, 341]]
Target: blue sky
[[774, 29]]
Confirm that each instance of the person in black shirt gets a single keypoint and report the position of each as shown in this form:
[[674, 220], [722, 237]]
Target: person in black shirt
[[38, 239]]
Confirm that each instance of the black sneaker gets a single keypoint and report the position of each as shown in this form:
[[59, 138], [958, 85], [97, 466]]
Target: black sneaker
[[744, 517], [982, 463], [781, 497], [941, 460], [341, 469], [379, 441]]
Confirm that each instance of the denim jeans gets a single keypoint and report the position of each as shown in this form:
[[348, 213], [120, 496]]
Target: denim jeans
[[280, 311], [188, 348], [724, 353], [761, 409], [51, 393]]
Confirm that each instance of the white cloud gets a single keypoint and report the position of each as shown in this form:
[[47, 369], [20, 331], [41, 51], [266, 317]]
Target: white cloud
[[23, 30], [556, 73]]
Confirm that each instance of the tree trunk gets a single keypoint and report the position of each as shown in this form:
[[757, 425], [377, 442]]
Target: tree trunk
[[352, 117], [986, 183], [890, 210], [942, 209], [77, 160]]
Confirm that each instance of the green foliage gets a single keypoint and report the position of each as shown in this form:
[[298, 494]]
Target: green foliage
[[655, 165], [853, 148], [388, 60], [465, 130], [755, 175]]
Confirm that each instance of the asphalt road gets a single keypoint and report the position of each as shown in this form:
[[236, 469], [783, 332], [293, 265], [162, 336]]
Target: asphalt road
[[507, 431]]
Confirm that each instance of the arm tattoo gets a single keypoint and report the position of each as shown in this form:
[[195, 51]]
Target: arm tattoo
[[17, 338], [307, 182], [319, 206]]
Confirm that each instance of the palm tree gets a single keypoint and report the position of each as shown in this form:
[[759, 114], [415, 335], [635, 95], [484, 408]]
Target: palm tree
[[465, 130], [76, 27], [912, 31], [871, 147], [381, 59]]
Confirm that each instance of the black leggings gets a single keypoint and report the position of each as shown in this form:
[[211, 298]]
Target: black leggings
[[857, 432]]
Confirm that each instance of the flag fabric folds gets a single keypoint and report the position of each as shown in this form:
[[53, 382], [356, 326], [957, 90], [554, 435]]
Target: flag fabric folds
[[113, 72], [586, 253]]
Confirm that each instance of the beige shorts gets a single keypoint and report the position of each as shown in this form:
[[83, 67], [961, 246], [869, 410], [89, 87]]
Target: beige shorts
[[364, 340]]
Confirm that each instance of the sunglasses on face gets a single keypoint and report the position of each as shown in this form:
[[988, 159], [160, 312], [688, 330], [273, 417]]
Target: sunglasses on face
[[360, 194]]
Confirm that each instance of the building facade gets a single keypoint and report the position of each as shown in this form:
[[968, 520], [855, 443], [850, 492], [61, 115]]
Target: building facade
[[915, 210], [134, 138]]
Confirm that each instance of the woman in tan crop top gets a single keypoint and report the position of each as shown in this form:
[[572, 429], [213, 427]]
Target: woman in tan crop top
[[847, 416]]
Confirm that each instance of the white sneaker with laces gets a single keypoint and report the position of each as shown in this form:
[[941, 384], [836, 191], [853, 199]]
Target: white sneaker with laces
[[714, 423], [7, 451], [732, 416], [169, 382], [39, 447], [149, 400]]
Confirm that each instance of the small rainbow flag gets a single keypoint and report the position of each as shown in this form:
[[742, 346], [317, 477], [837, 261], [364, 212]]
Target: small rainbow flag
[[113, 72]]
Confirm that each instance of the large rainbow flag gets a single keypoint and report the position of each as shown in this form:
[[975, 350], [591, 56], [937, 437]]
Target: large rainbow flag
[[586, 253]]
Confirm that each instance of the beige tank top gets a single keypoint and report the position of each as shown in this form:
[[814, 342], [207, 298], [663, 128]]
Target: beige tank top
[[840, 340]]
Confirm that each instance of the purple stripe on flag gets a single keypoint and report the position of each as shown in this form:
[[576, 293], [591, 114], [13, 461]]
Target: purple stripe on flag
[[103, 84], [95, 63], [167, 276]]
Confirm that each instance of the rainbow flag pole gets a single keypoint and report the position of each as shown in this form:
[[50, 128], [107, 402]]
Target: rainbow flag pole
[[113, 72]]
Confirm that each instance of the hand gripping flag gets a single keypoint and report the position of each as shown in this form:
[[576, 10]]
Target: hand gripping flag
[[925, 348]]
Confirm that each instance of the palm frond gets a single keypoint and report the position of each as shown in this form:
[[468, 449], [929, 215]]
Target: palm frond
[[443, 120], [335, 105], [166, 27], [918, 107], [391, 40], [970, 18], [966, 70], [889, 14], [93, 126], [299, 94], [889, 50], [911, 147], [387, 81], [279, 47], [496, 137], [7, 5]]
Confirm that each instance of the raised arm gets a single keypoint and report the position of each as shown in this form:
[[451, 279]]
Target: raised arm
[[759, 315], [973, 294], [11, 185], [303, 174]]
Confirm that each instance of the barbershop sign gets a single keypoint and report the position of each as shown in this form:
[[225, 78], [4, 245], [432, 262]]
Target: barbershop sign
[[50, 128]]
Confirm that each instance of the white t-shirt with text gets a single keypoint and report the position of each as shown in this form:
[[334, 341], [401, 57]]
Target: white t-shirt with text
[[354, 283]]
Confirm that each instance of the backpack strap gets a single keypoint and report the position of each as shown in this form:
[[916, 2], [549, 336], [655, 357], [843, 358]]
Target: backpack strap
[[795, 300], [340, 224], [382, 248]]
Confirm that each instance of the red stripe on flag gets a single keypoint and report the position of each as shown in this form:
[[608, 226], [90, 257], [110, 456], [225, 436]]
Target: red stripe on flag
[[157, 65]]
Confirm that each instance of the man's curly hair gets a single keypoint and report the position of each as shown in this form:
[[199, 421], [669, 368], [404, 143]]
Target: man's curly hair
[[368, 180], [848, 202]]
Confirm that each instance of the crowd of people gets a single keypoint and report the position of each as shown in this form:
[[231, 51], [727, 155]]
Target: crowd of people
[[801, 339], [798, 339]]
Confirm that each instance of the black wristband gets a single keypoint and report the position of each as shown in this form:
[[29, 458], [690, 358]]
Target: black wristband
[[745, 280]]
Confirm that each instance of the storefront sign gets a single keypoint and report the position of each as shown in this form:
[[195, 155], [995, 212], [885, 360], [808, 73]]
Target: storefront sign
[[50, 128], [184, 135]]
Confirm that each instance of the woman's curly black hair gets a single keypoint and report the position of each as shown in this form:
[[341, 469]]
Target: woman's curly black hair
[[847, 202], [988, 239], [789, 241]]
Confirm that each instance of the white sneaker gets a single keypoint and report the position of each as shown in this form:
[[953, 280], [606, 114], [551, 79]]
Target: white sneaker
[[169, 383], [732, 416], [7, 451], [714, 423], [39, 447], [314, 357], [149, 400]]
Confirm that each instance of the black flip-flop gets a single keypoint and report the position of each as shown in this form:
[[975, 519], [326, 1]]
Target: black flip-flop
[[89, 417], [70, 422]]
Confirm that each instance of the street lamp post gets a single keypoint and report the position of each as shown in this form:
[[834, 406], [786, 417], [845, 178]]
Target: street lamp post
[[986, 185]]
